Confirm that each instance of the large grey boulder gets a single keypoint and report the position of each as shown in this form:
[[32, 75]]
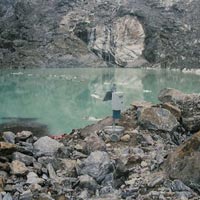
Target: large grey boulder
[[183, 163], [97, 165], [189, 104], [154, 118], [46, 146]]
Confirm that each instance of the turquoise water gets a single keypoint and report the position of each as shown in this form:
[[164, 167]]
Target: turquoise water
[[64, 99]]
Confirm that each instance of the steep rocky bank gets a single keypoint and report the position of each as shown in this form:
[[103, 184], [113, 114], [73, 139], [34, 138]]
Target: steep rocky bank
[[156, 157], [70, 33]]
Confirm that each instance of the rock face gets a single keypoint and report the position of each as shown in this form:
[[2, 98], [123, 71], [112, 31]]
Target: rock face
[[157, 119], [183, 163], [189, 104], [63, 33]]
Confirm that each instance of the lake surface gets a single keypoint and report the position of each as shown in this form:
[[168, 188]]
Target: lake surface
[[64, 99]]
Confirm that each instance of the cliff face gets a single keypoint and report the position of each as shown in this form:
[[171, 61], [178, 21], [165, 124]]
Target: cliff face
[[64, 33]]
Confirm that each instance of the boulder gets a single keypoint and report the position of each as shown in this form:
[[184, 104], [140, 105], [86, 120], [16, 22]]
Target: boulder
[[189, 105], [46, 146], [97, 165], [6, 148], [154, 118], [183, 163]]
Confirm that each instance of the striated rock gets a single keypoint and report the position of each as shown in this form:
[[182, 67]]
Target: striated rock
[[94, 143], [7, 148], [18, 168], [157, 119], [27, 160], [46, 146], [97, 165], [189, 105], [183, 163]]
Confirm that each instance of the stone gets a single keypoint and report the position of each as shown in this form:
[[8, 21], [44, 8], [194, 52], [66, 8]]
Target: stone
[[187, 103], [51, 171], [141, 104], [7, 148], [24, 135], [86, 181], [157, 119], [46, 146], [179, 186], [18, 168], [173, 109], [63, 152], [144, 164], [43, 196], [183, 163], [32, 178], [35, 187], [156, 179], [97, 165], [9, 137], [7, 196], [125, 138], [26, 195], [69, 167], [94, 143], [27, 160]]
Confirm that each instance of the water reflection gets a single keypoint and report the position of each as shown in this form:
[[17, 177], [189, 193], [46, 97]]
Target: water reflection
[[65, 99]]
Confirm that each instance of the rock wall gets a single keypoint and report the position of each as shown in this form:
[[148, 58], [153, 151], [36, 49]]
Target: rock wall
[[63, 33]]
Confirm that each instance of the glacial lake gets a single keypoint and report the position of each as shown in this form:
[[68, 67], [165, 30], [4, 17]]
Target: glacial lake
[[64, 99]]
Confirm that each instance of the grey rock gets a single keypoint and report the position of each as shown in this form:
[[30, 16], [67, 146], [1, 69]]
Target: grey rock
[[179, 186], [63, 152], [32, 178], [155, 181], [9, 136], [47, 146], [97, 165], [157, 119], [26, 195], [7, 196], [86, 181], [27, 160], [24, 135], [51, 171], [83, 195]]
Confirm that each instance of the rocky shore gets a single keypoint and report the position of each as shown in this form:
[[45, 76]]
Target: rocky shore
[[156, 158]]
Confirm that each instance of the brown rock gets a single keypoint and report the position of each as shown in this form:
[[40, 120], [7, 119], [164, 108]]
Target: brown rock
[[173, 109], [94, 143], [157, 119], [189, 104], [18, 168], [7, 148], [125, 138], [141, 104], [184, 162], [2, 181]]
